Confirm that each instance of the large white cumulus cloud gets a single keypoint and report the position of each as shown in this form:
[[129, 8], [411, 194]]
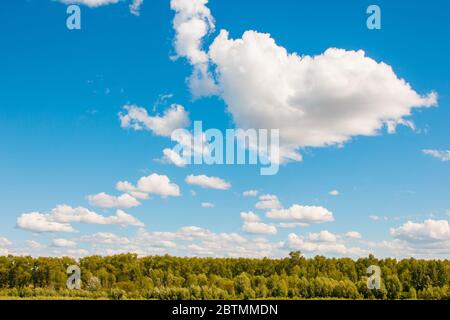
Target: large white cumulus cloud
[[315, 101]]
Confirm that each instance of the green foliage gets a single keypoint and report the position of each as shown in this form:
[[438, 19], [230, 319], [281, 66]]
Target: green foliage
[[128, 276], [93, 284], [117, 294]]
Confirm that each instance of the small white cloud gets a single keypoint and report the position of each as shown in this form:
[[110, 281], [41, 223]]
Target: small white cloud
[[38, 222], [443, 155], [67, 214], [153, 184], [374, 218], [137, 118], [250, 193], [253, 224], [207, 205], [353, 235], [135, 7], [123, 219], [208, 182], [104, 200], [259, 228], [64, 243], [334, 193], [250, 217], [322, 236], [162, 99], [268, 201], [304, 214]]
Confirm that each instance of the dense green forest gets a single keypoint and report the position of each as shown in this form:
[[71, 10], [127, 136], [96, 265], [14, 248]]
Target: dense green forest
[[164, 277]]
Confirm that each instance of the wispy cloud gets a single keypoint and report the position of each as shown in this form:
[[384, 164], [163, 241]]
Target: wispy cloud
[[443, 155]]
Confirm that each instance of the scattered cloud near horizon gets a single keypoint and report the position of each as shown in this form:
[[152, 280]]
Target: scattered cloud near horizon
[[60, 219]]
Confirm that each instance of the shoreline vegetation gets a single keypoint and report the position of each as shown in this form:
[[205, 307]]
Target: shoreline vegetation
[[127, 276]]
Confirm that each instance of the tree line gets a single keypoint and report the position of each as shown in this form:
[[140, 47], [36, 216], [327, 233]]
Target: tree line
[[166, 277]]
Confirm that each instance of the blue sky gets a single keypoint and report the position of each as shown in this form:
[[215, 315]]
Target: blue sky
[[62, 140]]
